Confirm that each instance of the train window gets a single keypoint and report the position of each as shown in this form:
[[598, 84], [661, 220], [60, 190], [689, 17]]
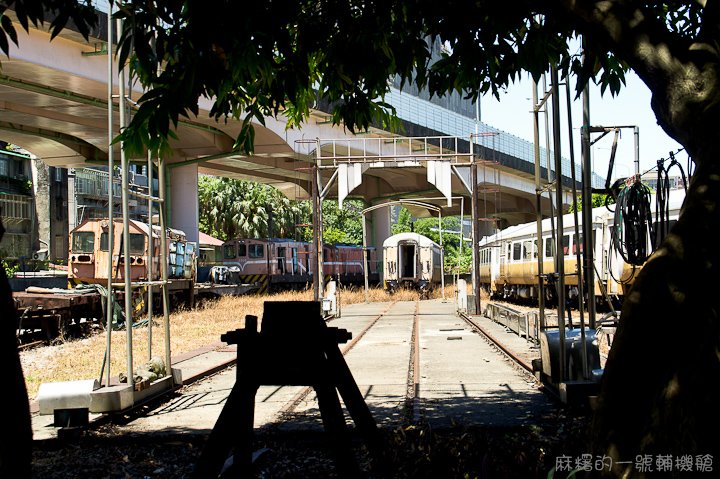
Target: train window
[[509, 251], [104, 241], [516, 251], [566, 244], [256, 251], [549, 248], [527, 250], [83, 242], [577, 244], [537, 248], [137, 243], [242, 250], [229, 251]]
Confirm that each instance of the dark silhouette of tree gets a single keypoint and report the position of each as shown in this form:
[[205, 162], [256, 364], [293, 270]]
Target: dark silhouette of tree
[[16, 444]]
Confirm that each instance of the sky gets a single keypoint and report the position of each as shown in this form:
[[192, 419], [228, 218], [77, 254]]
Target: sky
[[512, 113]]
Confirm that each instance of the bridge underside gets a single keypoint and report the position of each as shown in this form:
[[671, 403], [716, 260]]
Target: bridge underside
[[53, 98]]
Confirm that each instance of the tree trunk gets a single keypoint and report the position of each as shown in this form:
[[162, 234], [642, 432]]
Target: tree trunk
[[16, 435], [660, 392]]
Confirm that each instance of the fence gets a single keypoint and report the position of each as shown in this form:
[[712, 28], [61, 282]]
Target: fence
[[526, 325]]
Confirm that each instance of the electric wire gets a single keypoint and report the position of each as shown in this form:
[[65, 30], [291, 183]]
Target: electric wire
[[633, 223]]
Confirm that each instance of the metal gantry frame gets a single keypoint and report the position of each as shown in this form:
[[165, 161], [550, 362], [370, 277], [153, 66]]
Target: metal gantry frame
[[396, 152], [421, 204], [127, 284], [586, 279]]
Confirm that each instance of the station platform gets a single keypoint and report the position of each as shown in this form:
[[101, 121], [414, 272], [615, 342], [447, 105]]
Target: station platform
[[461, 378]]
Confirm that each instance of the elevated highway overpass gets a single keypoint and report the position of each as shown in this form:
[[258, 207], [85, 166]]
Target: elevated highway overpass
[[54, 101]]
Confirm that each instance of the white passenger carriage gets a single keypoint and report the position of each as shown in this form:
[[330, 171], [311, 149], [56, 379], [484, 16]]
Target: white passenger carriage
[[509, 258], [411, 260]]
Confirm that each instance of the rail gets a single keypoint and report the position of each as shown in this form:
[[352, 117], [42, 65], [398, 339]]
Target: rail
[[526, 325]]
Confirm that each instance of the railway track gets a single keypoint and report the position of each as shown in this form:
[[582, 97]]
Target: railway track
[[408, 359], [291, 407]]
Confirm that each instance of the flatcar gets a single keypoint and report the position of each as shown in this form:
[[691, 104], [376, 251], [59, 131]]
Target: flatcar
[[411, 260], [509, 259], [90, 256], [281, 263]]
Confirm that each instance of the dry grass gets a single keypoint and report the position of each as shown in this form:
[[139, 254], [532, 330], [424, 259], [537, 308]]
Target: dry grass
[[189, 330]]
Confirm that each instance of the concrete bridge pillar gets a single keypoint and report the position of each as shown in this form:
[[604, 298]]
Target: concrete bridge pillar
[[184, 213], [487, 228], [380, 224]]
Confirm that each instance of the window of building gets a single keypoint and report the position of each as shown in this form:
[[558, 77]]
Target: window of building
[[4, 168]]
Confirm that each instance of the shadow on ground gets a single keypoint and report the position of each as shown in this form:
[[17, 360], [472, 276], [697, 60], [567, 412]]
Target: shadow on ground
[[495, 436]]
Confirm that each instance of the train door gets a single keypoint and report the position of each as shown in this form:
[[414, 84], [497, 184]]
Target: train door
[[281, 259], [294, 254], [407, 259], [505, 254], [84, 255], [494, 254], [391, 257], [106, 253]]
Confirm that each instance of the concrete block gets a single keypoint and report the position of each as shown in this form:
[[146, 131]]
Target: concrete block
[[65, 395], [111, 398]]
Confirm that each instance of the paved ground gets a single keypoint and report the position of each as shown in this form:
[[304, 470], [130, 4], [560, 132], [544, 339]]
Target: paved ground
[[462, 377]]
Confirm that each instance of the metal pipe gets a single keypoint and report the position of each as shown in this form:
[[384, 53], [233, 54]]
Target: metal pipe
[[538, 204], [317, 238], [164, 260], [365, 259], [442, 257], [475, 231], [550, 178], [578, 258], [587, 207], [110, 303], [126, 226], [558, 194], [151, 253], [636, 130]]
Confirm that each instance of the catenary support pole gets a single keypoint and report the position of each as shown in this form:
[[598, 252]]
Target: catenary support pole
[[110, 304], [126, 227], [475, 230], [538, 206], [587, 208], [560, 252]]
